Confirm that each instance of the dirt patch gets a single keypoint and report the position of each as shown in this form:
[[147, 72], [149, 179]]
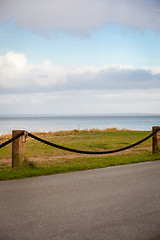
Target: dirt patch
[[63, 157], [5, 163]]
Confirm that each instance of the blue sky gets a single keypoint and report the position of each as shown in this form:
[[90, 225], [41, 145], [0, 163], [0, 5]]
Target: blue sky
[[79, 57]]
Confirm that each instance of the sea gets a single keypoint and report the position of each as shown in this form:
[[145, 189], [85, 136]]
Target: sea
[[57, 123]]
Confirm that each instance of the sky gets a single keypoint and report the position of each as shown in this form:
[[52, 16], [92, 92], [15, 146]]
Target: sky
[[79, 56]]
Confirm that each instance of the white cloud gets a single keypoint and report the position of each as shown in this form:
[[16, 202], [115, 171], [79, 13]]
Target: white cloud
[[47, 88], [17, 76], [50, 89], [79, 16], [152, 69], [13, 68], [77, 102]]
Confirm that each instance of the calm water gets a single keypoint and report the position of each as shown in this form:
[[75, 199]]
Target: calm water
[[46, 124]]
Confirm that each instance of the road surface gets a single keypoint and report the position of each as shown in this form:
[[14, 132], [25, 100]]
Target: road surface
[[115, 203]]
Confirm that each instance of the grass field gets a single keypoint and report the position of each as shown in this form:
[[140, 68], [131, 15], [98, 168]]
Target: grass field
[[43, 160]]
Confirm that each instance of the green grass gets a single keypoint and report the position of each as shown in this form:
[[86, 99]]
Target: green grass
[[83, 140], [67, 162], [75, 165]]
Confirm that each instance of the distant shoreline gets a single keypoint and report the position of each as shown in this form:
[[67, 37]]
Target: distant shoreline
[[46, 123], [84, 115]]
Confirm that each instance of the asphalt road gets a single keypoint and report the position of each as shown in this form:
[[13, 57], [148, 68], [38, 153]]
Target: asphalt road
[[115, 203]]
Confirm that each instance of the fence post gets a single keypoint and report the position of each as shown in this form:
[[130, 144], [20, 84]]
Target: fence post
[[155, 140], [18, 148]]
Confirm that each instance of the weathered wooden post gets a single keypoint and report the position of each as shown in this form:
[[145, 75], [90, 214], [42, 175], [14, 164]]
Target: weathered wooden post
[[155, 140], [18, 148]]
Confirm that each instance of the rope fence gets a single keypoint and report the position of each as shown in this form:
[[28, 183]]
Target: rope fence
[[12, 139], [92, 152], [19, 138]]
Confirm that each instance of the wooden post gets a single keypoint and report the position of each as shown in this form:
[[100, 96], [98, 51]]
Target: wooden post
[[18, 148], [155, 140]]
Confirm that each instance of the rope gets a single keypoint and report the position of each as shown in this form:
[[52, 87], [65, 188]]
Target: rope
[[76, 150], [92, 152], [11, 140]]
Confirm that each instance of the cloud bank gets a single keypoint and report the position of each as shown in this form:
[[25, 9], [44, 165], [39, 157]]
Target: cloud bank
[[18, 76], [79, 16]]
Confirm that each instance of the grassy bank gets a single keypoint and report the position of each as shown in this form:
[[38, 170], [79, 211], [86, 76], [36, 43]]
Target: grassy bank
[[43, 160]]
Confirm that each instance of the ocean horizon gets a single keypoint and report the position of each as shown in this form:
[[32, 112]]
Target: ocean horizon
[[52, 123]]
